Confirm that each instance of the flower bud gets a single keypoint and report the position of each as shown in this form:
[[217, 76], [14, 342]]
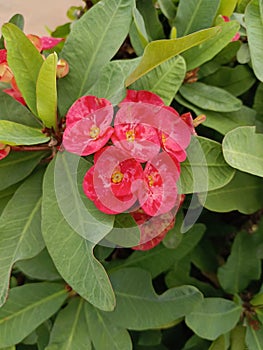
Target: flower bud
[[62, 68]]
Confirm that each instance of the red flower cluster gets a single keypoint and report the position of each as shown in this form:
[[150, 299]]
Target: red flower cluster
[[136, 161]]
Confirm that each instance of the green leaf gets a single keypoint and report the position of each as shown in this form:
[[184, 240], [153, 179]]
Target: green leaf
[[164, 80], [18, 134], [211, 97], [242, 265], [194, 15], [104, 334], [160, 259], [20, 229], [243, 54], [6, 195], [243, 150], [72, 254], [40, 267], [243, 193], [25, 62], [227, 7], [95, 48], [213, 317], [138, 307], [254, 24], [235, 80], [237, 337], [80, 212], [70, 330], [168, 8], [14, 111], [254, 338], [222, 122], [160, 51], [196, 343], [27, 307], [205, 168], [204, 52], [18, 20], [17, 166], [151, 20], [46, 92], [111, 85], [221, 343]]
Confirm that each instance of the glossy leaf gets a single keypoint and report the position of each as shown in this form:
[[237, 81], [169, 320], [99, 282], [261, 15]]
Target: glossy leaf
[[205, 167], [196, 343], [254, 22], [18, 134], [238, 338], [168, 8], [227, 7], [14, 111], [194, 15], [164, 80], [213, 317], [40, 267], [70, 330], [235, 80], [111, 84], [204, 52], [46, 92], [20, 229], [27, 307], [17, 166], [254, 338], [211, 97], [138, 307], [111, 18], [103, 333], [160, 51], [80, 213], [242, 265], [243, 193], [222, 122], [72, 254], [221, 343], [151, 20], [160, 259], [243, 150], [25, 62]]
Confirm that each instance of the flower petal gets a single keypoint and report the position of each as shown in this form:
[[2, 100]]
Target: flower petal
[[160, 191], [88, 107], [78, 138], [142, 96], [139, 140], [153, 230], [49, 42]]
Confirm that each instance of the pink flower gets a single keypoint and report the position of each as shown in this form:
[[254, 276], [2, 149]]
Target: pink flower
[[6, 74], [88, 125], [152, 229], [113, 182], [159, 194], [49, 42], [142, 96], [4, 150], [16, 94], [133, 131], [237, 35]]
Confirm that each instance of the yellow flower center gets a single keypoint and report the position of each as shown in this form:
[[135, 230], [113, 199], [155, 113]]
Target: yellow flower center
[[94, 132], [130, 135], [150, 180], [116, 177], [163, 138]]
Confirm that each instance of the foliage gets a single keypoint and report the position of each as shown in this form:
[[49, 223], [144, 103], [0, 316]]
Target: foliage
[[73, 275]]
